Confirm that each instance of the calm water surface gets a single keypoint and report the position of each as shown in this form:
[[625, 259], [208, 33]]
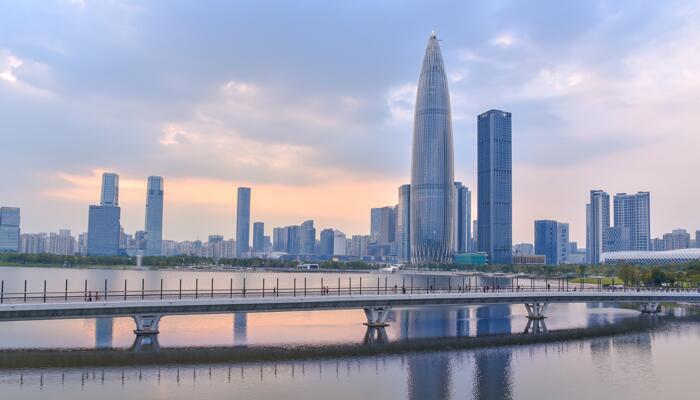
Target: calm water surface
[[648, 363]]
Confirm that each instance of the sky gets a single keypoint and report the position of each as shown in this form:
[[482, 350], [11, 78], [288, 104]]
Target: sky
[[310, 103]]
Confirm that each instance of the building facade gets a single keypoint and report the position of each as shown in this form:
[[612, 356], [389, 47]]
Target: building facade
[[9, 230], [432, 164], [631, 211], [243, 222], [597, 224], [154, 216], [110, 189], [495, 186], [403, 223], [103, 230], [326, 242], [462, 226], [258, 237], [307, 238]]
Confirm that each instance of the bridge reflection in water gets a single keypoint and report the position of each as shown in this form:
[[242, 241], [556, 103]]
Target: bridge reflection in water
[[486, 373]]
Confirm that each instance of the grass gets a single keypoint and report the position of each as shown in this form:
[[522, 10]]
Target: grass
[[594, 281]]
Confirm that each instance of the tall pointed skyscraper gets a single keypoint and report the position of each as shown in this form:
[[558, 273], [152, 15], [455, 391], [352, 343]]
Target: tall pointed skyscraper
[[432, 164]]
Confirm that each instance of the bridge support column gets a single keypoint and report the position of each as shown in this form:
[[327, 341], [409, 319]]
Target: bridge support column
[[376, 335], [145, 343], [146, 324], [536, 310], [650, 308], [376, 316]]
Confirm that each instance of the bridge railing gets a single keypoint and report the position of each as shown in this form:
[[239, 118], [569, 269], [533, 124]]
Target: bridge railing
[[261, 289]]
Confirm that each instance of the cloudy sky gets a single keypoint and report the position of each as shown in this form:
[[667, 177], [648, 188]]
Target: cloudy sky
[[311, 102]]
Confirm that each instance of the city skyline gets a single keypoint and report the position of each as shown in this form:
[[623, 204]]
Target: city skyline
[[342, 150]]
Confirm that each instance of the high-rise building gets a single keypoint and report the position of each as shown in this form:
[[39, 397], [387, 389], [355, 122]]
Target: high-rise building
[[524, 249], [632, 211], [360, 245], [677, 239], [242, 222], [9, 230], [103, 231], [552, 241], [403, 223], [597, 224], [307, 237], [697, 238], [110, 189], [279, 239], [62, 243], [432, 164], [383, 225], [462, 227], [104, 227], [326, 245], [154, 216], [495, 185], [258, 237], [339, 243]]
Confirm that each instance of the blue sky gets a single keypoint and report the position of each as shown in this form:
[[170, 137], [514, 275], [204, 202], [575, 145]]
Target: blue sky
[[310, 104]]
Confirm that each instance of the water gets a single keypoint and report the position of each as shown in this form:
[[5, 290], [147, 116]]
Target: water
[[425, 353]]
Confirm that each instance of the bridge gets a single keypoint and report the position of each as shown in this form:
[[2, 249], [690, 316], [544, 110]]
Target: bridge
[[147, 307]]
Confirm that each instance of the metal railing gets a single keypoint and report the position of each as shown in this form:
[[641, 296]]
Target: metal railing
[[266, 288]]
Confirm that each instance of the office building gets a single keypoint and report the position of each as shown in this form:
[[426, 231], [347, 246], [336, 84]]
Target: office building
[[383, 225], [597, 224], [462, 226], [103, 230], [258, 237], [326, 242], [360, 245], [307, 238], [9, 230], [432, 164], [631, 211], [242, 222], [495, 186], [403, 223], [697, 238], [154, 216], [552, 241], [525, 249], [110, 189], [339, 243], [677, 239], [104, 227]]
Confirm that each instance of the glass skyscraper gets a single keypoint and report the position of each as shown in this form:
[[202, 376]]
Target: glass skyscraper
[[243, 221], [154, 216], [104, 220], [495, 186], [551, 241], [462, 218], [432, 164], [258, 237], [110, 189], [9, 229], [403, 223]]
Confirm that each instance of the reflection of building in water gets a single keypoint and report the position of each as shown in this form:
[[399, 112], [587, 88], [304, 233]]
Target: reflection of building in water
[[429, 376], [433, 323], [240, 328], [103, 332], [492, 367]]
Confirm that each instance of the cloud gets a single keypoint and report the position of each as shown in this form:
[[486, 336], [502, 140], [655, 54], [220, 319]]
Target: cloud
[[401, 101], [504, 40], [6, 71]]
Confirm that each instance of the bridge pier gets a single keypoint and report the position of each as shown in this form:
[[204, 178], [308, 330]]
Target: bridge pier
[[376, 316], [145, 343], [536, 326], [650, 308], [536, 311], [376, 335], [146, 324]]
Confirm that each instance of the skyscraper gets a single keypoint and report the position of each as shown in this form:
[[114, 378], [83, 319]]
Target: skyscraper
[[104, 220], [552, 241], [597, 224], [403, 223], [495, 186], [326, 245], [307, 237], [258, 237], [632, 211], [154, 216], [110, 189], [242, 221], [340, 243], [462, 227], [9, 229], [432, 164], [383, 225]]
